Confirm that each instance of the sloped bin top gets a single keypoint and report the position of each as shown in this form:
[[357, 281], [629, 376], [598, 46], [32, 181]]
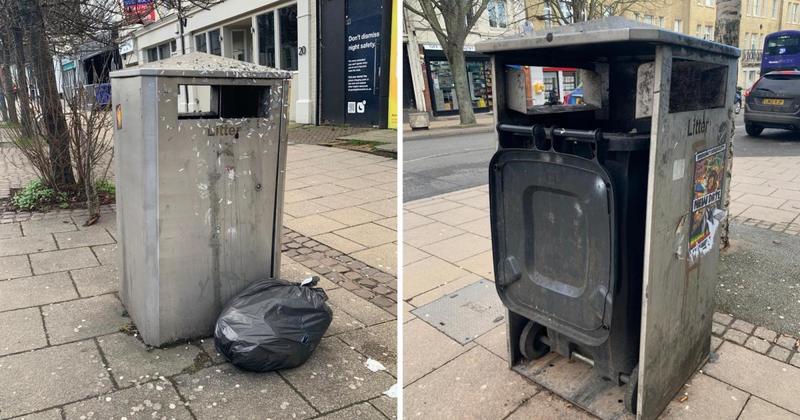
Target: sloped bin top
[[203, 65], [615, 31]]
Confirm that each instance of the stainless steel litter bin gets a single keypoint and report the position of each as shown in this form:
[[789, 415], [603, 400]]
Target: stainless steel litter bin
[[605, 209], [200, 151]]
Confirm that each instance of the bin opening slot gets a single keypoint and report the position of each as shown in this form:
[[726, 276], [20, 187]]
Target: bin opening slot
[[697, 85], [223, 101]]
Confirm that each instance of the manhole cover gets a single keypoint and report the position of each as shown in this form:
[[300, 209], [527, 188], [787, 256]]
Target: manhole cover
[[465, 314]]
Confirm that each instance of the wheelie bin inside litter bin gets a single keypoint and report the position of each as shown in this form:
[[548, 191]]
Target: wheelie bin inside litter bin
[[200, 152], [605, 211]]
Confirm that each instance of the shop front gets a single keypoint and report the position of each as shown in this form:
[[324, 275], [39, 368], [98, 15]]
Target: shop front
[[442, 86]]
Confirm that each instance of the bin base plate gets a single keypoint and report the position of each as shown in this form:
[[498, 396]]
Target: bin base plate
[[577, 383]]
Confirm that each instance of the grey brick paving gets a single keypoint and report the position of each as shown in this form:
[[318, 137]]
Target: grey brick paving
[[21, 330], [131, 361], [96, 280], [76, 239], [213, 392], [68, 259], [14, 266], [36, 290], [50, 377], [154, 400], [337, 377], [27, 244], [78, 319], [58, 223]]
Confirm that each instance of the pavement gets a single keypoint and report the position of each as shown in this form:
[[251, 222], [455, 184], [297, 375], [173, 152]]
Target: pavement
[[450, 126], [755, 373], [65, 352]]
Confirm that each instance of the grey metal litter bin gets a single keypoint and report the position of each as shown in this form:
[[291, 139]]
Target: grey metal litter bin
[[200, 150], [605, 211]]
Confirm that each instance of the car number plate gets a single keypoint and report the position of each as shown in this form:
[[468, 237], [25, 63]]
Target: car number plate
[[770, 101]]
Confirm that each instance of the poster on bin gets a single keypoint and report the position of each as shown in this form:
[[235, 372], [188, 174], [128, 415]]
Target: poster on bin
[[362, 62], [709, 169]]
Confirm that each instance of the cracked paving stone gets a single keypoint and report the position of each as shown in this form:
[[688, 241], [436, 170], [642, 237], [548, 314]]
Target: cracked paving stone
[[54, 414], [226, 391], [132, 361]]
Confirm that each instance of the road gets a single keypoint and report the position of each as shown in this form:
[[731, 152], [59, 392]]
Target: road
[[439, 165]]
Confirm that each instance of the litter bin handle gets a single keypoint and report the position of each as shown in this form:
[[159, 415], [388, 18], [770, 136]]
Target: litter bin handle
[[614, 141]]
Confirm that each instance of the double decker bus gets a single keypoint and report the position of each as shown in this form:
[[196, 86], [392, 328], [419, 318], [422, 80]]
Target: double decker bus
[[781, 51]]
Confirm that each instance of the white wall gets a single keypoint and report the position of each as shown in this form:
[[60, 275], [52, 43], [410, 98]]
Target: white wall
[[304, 86]]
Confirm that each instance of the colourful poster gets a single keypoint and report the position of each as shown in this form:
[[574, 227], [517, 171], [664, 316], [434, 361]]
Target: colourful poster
[[709, 170]]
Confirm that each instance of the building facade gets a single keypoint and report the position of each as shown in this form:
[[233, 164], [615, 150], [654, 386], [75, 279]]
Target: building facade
[[698, 17], [427, 79], [339, 64]]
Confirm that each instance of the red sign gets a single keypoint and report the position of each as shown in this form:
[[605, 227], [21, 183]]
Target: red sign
[[139, 11]]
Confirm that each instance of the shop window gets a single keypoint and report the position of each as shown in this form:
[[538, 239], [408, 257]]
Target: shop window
[[214, 44], [497, 13], [200, 44], [287, 21], [266, 39], [570, 81], [444, 88]]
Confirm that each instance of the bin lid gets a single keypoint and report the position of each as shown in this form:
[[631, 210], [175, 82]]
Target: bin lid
[[610, 30], [197, 64]]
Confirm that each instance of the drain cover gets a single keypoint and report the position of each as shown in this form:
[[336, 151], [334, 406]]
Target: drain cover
[[466, 314]]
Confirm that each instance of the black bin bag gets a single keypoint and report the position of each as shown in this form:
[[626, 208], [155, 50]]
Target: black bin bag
[[273, 324]]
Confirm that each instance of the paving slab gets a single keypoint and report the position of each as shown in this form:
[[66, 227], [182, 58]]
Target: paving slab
[[26, 245], [95, 281], [83, 318], [59, 223], [21, 330], [54, 414], [35, 290], [342, 322], [386, 405], [378, 342], [427, 274], [14, 266], [382, 257], [547, 406], [230, 393], [131, 361], [459, 247], [496, 341], [429, 234], [207, 344], [359, 411], [478, 385], [766, 378], [336, 376], [386, 208], [10, 230], [51, 376], [107, 254], [154, 400], [417, 335], [358, 308], [758, 409], [68, 259], [77, 239], [368, 234], [314, 225], [706, 398]]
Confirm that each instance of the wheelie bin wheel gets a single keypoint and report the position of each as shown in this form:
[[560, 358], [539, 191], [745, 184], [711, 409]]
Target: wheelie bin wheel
[[632, 390], [530, 341]]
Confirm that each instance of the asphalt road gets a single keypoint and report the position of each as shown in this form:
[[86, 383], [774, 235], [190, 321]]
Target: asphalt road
[[440, 165], [759, 276]]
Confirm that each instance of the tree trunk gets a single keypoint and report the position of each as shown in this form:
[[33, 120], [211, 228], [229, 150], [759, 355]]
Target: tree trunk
[[6, 80], [727, 32], [458, 67], [18, 48], [53, 120]]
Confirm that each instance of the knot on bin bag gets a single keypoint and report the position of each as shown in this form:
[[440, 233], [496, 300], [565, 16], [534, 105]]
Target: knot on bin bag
[[273, 324]]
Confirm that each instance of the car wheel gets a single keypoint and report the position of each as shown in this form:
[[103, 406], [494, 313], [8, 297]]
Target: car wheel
[[753, 130]]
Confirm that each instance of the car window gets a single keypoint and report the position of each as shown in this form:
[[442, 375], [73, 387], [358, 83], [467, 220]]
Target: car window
[[779, 83]]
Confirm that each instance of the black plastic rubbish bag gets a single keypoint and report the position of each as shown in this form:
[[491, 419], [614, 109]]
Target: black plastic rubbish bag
[[273, 324]]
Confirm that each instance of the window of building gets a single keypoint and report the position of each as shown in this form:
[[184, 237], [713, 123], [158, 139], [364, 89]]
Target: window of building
[[637, 16], [152, 54], [200, 43], [678, 25], [277, 38], [749, 8], [709, 32], [699, 32], [756, 7], [570, 81], [774, 9], [266, 39], [287, 21], [709, 3], [214, 44], [648, 19], [497, 13], [661, 21], [164, 51]]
